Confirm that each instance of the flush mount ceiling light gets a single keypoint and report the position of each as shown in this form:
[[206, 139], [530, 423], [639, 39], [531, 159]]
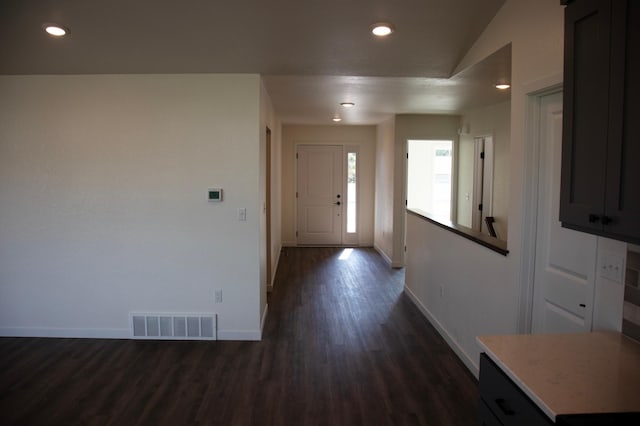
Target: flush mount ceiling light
[[382, 29], [347, 104], [55, 30], [502, 86], [337, 119]]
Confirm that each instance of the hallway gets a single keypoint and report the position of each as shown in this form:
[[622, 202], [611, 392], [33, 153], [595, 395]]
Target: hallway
[[360, 350]]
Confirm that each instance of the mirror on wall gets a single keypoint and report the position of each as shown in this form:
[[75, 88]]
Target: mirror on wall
[[463, 183]]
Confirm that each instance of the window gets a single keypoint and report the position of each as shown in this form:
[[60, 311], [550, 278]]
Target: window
[[352, 158], [429, 176]]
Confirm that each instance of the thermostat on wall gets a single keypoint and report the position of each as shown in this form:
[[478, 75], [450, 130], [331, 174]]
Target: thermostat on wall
[[215, 194]]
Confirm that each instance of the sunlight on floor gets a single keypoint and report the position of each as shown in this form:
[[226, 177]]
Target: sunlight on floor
[[345, 254]]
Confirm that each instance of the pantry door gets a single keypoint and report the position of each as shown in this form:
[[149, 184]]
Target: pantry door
[[319, 195], [565, 264]]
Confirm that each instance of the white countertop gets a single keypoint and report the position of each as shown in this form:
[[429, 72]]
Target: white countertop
[[582, 373]]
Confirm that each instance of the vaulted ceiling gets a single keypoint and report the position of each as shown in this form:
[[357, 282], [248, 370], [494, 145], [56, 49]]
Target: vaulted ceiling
[[313, 54]]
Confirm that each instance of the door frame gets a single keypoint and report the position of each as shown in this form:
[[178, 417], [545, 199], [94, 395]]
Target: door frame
[[534, 92], [482, 181], [267, 207]]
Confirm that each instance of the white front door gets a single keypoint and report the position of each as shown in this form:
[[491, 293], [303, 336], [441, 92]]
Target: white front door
[[565, 263], [319, 194]]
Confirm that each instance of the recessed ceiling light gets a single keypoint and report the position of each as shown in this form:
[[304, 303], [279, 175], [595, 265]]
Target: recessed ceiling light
[[382, 29], [55, 30], [347, 104], [502, 86], [337, 119]]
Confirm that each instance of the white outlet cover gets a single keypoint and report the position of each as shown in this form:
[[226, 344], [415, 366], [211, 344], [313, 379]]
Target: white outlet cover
[[612, 268]]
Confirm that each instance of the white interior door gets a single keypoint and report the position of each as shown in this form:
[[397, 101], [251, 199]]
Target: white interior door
[[319, 195], [565, 263]]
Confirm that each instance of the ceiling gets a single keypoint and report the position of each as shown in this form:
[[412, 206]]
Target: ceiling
[[313, 54]]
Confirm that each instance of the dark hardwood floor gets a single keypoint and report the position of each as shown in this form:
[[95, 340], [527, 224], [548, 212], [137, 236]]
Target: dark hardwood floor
[[342, 345]]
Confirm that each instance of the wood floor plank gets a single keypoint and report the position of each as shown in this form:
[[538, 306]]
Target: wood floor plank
[[342, 345]]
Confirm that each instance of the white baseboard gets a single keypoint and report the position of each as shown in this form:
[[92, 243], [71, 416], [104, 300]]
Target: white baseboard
[[74, 333], [274, 271], [386, 257], [117, 333], [241, 335], [383, 254], [245, 335], [466, 359], [264, 319]]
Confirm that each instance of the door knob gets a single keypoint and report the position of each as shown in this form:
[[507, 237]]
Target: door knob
[[337, 204], [338, 196]]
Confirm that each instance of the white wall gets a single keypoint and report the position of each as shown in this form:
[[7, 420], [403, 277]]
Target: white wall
[[383, 238], [364, 136], [491, 120], [481, 289], [103, 201]]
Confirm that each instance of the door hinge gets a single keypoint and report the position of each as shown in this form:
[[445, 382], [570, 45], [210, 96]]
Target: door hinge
[[296, 155], [405, 249], [482, 155], [296, 194], [480, 207], [296, 233], [407, 155], [406, 203]]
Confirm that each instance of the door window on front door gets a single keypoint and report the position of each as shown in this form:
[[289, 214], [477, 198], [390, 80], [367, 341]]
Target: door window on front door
[[352, 194]]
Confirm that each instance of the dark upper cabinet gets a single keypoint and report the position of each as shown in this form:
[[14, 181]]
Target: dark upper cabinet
[[600, 181]]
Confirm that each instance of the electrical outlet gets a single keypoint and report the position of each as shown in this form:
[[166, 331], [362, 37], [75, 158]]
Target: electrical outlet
[[242, 214], [217, 294], [612, 267]]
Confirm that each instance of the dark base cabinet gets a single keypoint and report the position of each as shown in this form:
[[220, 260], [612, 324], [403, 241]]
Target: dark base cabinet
[[486, 417], [502, 402], [613, 419]]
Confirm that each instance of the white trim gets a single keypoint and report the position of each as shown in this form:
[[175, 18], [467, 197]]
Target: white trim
[[274, 270], [535, 91], [240, 335], [82, 333], [264, 319], [544, 85], [466, 359], [383, 254]]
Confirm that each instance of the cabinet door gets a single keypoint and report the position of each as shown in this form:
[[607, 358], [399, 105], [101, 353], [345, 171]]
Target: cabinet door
[[486, 417], [505, 399], [623, 160], [585, 120]]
